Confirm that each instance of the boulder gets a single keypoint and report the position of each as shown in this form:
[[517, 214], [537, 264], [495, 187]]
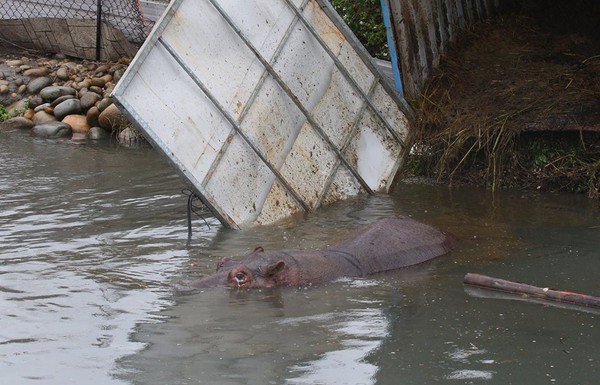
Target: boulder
[[97, 90], [37, 84], [97, 133], [88, 100], [61, 99], [68, 107], [41, 107], [35, 101], [52, 130], [78, 123], [107, 78], [117, 75], [42, 117], [104, 103], [112, 118], [62, 73], [108, 89], [18, 107], [102, 69], [128, 137], [29, 113], [52, 92], [86, 83], [14, 63], [37, 72], [92, 116], [18, 123], [98, 82]]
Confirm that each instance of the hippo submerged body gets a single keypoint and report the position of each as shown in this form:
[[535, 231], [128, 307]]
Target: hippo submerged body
[[387, 244]]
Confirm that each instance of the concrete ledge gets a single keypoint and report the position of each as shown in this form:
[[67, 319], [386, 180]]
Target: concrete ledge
[[73, 37]]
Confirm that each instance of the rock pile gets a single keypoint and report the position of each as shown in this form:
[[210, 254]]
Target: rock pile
[[57, 97]]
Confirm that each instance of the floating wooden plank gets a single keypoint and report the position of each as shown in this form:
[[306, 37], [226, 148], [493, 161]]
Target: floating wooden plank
[[531, 291], [266, 107]]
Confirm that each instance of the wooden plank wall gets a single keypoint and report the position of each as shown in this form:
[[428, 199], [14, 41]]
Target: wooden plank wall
[[423, 29]]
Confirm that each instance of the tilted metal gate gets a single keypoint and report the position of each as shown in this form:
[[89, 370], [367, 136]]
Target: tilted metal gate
[[267, 107]]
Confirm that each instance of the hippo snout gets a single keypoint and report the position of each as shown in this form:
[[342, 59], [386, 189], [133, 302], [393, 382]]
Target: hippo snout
[[215, 280]]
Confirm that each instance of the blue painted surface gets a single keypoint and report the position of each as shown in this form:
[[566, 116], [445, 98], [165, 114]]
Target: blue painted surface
[[385, 8]]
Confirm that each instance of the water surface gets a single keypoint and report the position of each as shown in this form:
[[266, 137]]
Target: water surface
[[94, 246]]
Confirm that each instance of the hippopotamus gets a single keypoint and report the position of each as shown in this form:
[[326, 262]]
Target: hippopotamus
[[386, 244]]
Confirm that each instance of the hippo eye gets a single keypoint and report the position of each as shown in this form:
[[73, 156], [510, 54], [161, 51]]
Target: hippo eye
[[239, 277]]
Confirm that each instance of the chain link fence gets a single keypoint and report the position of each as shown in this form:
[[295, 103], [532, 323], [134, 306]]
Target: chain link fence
[[125, 15]]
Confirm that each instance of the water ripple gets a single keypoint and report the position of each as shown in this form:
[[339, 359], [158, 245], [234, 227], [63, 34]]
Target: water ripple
[[90, 239]]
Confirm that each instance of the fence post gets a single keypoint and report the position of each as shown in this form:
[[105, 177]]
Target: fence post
[[98, 29]]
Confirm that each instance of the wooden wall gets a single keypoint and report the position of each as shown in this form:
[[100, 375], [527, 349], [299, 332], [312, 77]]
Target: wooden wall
[[421, 31]]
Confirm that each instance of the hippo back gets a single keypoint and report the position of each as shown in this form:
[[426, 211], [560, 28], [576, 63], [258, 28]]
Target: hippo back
[[395, 242]]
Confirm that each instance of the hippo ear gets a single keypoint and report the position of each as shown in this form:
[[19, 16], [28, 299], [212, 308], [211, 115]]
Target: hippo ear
[[223, 262], [275, 268], [259, 249]]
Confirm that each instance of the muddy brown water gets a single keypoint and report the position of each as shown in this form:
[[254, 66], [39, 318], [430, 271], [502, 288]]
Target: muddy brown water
[[94, 243]]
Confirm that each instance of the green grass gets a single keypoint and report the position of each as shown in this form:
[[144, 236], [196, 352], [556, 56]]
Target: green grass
[[3, 113]]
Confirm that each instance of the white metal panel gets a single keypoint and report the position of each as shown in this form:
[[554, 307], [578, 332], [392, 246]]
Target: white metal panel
[[343, 186], [177, 111], [240, 183], [304, 67], [361, 74], [273, 122], [308, 165], [265, 109], [376, 153], [230, 74], [278, 205], [264, 24]]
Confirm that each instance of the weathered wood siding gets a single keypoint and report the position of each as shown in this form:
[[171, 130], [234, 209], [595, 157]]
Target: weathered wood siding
[[422, 30]]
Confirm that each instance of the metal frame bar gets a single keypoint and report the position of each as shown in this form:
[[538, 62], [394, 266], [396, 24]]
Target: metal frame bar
[[98, 29], [391, 40]]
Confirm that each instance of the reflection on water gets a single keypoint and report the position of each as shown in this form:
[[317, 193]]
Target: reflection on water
[[84, 256], [359, 333], [293, 336], [94, 247]]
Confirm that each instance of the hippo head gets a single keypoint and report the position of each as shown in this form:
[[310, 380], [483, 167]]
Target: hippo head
[[244, 276], [255, 272]]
